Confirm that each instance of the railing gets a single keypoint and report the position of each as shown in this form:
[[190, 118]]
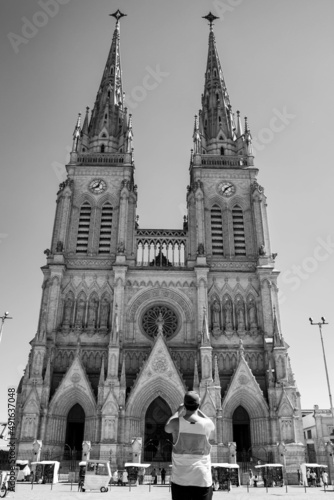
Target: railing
[[161, 248], [100, 158], [222, 161], [247, 459]]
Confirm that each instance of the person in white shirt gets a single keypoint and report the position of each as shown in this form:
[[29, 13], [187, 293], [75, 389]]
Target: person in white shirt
[[191, 470]]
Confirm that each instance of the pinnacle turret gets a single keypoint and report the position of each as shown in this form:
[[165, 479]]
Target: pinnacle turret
[[107, 130], [217, 133]]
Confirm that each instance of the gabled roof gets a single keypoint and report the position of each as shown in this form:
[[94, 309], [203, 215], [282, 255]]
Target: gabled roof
[[158, 377]]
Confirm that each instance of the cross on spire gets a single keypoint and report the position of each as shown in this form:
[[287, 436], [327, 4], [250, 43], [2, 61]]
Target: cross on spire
[[118, 15], [210, 17]]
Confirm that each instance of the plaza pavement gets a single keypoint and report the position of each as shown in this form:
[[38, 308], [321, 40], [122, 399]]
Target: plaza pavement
[[62, 491]]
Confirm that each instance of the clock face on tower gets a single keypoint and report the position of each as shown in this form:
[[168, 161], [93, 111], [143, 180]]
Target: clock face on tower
[[226, 188], [97, 186]]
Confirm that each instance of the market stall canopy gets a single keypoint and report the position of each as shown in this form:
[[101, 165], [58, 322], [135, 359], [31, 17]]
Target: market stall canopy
[[227, 466], [268, 465], [130, 464]]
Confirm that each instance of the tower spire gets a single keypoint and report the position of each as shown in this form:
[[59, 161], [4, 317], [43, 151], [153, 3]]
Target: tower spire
[[216, 106], [108, 122]]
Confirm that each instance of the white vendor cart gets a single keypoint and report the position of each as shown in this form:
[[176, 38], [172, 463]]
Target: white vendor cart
[[133, 470], [45, 471], [97, 475]]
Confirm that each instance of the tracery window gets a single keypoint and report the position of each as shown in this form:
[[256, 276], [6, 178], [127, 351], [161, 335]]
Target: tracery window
[[160, 317], [217, 231], [238, 231], [105, 228], [83, 228]]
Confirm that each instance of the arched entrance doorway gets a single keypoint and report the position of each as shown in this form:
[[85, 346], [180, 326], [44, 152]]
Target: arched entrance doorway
[[157, 443], [241, 433], [74, 432]]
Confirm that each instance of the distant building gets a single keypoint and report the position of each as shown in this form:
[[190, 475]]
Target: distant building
[[318, 431], [132, 317]]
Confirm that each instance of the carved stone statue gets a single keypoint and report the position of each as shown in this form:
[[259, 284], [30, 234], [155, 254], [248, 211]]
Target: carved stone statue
[[262, 250], [228, 315], [121, 247], [252, 315], [92, 312], [215, 311], [60, 246], [240, 317], [68, 310], [160, 323], [80, 312], [105, 310], [200, 249], [216, 322]]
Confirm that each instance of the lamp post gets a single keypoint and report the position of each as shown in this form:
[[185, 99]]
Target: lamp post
[[3, 318], [320, 324]]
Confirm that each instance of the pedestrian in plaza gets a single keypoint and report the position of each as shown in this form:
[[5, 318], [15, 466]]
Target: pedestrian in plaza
[[163, 476], [314, 478], [191, 430], [324, 477], [154, 476], [115, 477], [255, 480], [308, 477], [141, 474], [124, 477]]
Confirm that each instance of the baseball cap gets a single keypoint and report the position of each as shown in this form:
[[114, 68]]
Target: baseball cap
[[191, 399]]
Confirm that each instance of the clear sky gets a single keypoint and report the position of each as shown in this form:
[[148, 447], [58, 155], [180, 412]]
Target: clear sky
[[278, 62]]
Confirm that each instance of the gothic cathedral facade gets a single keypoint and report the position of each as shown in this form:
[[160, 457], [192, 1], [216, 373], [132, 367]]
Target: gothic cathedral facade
[[131, 318]]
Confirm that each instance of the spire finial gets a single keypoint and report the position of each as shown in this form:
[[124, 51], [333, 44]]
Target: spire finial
[[118, 15], [210, 17]]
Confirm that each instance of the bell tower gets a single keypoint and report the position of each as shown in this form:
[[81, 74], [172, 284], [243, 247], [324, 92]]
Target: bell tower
[[229, 247], [82, 308]]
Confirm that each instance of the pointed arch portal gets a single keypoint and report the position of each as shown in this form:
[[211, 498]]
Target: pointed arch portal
[[241, 432], [157, 443], [75, 429]]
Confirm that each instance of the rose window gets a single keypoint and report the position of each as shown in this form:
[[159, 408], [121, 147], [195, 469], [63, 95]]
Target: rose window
[[160, 318]]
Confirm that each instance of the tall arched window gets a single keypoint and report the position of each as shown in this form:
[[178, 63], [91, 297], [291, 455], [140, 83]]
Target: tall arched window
[[105, 228], [217, 231], [83, 228], [238, 231]]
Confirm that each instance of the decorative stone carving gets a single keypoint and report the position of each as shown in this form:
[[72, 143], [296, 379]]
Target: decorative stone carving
[[75, 378], [242, 379], [160, 364]]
